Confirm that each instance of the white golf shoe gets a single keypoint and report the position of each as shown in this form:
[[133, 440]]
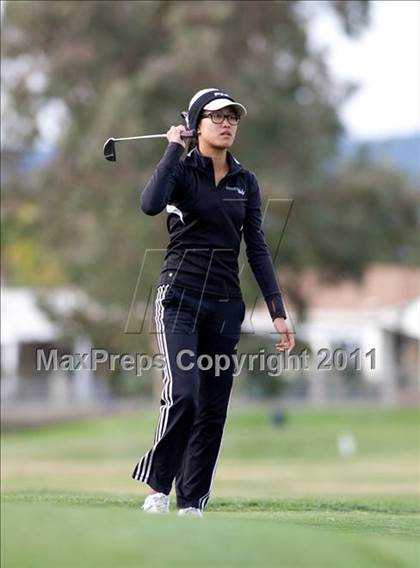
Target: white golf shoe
[[191, 512], [156, 503]]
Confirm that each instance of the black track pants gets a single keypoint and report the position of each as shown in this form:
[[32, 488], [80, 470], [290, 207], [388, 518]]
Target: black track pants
[[196, 391]]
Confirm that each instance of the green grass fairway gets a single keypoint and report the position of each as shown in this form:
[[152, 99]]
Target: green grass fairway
[[282, 496], [93, 532]]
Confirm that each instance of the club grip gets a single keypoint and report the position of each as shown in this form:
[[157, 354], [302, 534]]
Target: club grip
[[188, 134]]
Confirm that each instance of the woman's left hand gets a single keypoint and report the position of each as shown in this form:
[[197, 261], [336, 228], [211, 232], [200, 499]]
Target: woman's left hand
[[288, 339]]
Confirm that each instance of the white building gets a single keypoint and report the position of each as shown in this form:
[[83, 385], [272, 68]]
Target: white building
[[25, 328], [376, 319]]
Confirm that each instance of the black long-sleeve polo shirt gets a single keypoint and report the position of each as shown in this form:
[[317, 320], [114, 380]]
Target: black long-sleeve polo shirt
[[205, 224]]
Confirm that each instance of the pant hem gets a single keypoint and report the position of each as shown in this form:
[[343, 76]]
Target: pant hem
[[158, 487], [153, 485]]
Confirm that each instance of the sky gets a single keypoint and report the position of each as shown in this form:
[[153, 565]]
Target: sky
[[385, 61]]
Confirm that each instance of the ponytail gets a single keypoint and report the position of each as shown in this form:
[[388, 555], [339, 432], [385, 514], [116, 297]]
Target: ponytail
[[191, 143]]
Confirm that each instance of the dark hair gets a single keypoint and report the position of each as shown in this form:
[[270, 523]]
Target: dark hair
[[193, 142]]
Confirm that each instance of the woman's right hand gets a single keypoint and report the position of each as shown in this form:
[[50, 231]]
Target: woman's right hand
[[174, 134]]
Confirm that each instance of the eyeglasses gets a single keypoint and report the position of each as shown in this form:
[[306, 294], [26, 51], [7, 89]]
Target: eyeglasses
[[218, 117]]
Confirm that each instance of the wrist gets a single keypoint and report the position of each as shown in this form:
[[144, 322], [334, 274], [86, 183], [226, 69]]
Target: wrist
[[275, 306]]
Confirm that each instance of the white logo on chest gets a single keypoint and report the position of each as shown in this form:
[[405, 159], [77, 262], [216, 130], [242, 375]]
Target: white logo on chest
[[238, 189]]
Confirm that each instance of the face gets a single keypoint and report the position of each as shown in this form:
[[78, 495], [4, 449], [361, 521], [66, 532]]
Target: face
[[218, 135]]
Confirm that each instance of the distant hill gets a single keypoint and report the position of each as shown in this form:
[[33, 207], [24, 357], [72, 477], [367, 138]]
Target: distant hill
[[402, 152]]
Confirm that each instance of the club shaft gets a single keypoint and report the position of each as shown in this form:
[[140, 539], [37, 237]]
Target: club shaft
[[140, 137]]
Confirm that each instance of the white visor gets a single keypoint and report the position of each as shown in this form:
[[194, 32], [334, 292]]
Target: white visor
[[217, 104]]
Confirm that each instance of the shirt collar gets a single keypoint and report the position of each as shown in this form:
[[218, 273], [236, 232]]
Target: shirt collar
[[196, 158]]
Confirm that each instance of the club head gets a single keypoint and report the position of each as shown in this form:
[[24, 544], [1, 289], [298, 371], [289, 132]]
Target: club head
[[109, 150]]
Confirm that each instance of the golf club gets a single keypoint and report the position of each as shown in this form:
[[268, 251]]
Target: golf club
[[109, 146]]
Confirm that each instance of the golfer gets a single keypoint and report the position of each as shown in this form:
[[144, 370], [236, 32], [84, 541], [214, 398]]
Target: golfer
[[211, 200]]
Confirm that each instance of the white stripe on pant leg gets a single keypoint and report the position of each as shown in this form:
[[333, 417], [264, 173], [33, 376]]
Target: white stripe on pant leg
[[142, 465], [165, 414], [167, 368], [165, 375], [203, 500], [170, 382], [146, 462], [167, 397], [146, 459]]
